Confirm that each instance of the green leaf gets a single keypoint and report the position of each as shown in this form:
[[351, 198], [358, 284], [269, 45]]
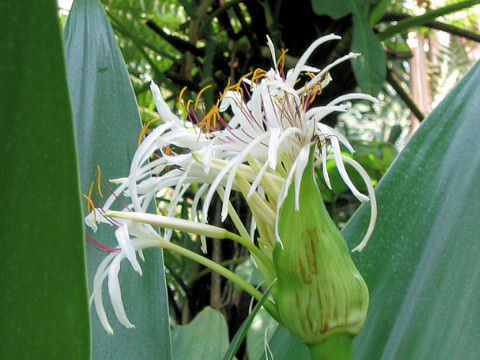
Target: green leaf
[[421, 264], [336, 9], [205, 338], [107, 126], [242, 331], [44, 294], [371, 67]]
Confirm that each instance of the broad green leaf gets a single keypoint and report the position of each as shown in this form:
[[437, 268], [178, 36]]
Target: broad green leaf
[[422, 263], [371, 67], [205, 338], [336, 9], [242, 331], [107, 126], [44, 294]]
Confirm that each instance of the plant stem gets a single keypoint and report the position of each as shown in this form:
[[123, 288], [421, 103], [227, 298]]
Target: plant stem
[[337, 347], [437, 25], [425, 18], [268, 304], [395, 82], [254, 250], [234, 216], [204, 272]]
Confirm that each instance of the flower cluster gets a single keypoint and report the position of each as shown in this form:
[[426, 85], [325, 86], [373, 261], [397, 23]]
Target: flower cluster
[[256, 140]]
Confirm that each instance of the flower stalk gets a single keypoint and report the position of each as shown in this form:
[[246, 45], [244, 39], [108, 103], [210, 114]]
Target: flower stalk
[[337, 347]]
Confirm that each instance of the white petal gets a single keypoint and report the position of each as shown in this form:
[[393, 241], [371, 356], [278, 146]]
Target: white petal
[[126, 245], [271, 116], [353, 96], [257, 180], [141, 155], [115, 293], [272, 51], [173, 204], [303, 59], [373, 202], [253, 227], [162, 107], [302, 161], [96, 296], [332, 132], [324, 166], [236, 162], [337, 154], [200, 192], [328, 67], [273, 147]]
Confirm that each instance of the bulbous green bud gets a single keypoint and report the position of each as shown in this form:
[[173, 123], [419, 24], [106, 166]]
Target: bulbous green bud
[[319, 292]]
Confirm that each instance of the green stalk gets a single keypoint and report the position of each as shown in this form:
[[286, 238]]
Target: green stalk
[[422, 19], [234, 216], [225, 263], [268, 304], [337, 347], [253, 249]]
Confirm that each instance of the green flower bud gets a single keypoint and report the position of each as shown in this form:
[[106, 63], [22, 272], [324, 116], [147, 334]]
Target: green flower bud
[[319, 292]]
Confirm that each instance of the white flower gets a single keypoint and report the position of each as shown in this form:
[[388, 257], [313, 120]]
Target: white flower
[[255, 140]]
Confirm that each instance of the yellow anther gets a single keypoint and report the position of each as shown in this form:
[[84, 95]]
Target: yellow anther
[[168, 150], [240, 81], [189, 103], [90, 189], [281, 59], [200, 95], [99, 180], [310, 74], [180, 97], [90, 206], [258, 74], [229, 85], [144, 130], [258, 71], [210, 119]]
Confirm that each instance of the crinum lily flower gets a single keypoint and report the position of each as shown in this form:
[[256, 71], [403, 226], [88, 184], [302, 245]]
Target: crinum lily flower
[[258, 139]]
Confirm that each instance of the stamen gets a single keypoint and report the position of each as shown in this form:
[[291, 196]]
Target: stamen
[[168, 150], [99, 180], [90, 205], [144, 130], [258, 74], [100, 246], [200, 95], [114, 194], [281, 61], [180, 97]]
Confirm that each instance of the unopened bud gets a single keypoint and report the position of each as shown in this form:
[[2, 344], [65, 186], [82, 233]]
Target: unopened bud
[[319, 292]]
